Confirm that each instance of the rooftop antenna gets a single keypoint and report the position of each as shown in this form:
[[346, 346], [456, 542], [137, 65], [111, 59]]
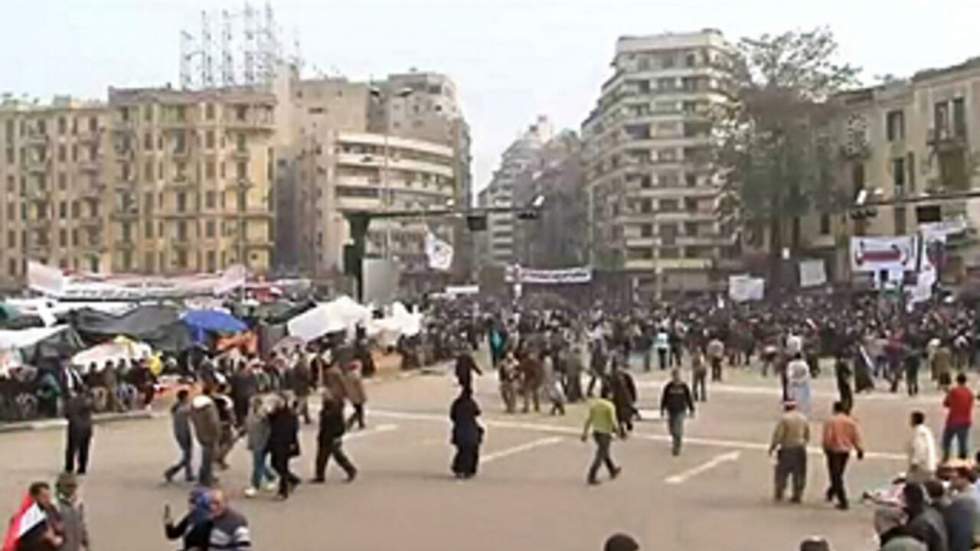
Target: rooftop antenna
[[227, 58], [207, 52], [249, 43], [187, 48]]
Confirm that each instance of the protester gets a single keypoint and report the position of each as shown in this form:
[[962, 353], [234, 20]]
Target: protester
[[78, 411], [71, 515], [330, 441], [841, 435], [798, 383], [552, 385], [180, 416], [716, 353], [531, 374], [36, 526], [465, 368], [921, 450], [602, 422], [789, 441], [194, 529], [676, 403], [508, 378], [284, 443], [925, 522], [959, 418], [699, 373], [257, 432], [207, 429], [229, 529], [467, 434], [354, 390]]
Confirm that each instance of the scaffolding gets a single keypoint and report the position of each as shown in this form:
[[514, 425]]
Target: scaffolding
[[248, 52]]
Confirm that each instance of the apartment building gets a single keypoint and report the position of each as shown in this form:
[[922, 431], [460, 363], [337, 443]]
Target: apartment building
[[498, 242], [652, 187], [908, 138], [54, 186], [191, 175]]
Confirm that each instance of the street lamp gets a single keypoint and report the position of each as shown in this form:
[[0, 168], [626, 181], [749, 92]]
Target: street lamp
[[385, 100]]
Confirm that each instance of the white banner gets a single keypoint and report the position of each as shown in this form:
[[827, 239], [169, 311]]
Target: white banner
[[742, 288], [517, 274], [440, 252], [44, 279], [812, 273], [873, 254]]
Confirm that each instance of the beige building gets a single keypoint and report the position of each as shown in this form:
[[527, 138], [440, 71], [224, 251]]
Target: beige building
[[54, 186], [908, 139], [191, 175], [652, 188]]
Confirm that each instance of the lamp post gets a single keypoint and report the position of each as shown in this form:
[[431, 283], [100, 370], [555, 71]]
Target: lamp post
[[385, 101]]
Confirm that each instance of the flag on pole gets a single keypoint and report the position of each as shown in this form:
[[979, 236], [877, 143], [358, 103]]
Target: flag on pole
[[28, 517], [439, 252]]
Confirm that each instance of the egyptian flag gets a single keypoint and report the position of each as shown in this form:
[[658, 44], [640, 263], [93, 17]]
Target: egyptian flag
[[30, 517]]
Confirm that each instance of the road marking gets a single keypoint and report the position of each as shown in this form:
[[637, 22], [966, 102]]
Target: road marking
[[681, 478], [520, 449], [558, 429], [370, 432], [753, 390]]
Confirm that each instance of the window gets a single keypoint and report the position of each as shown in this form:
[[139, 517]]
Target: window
[[667, 61], [941, 118], [209, 111], [959, 118], [182, 230], [666, 84], [209, 139], [691, 179], [209, 199], [910, 167], [74, 237], [181, 202], [691, 59], [209, 229], [148, 261], [148, 171], [76, 209], [62, 153], [209, 169], [93, 124], [148, 113], [824, 224], [898, 175], [62, 237], [691, 229], [12, 267], [241, 170], [668, 205], [668, 234], [646, 230], [639, 253], [895, 125], [63, 210], [900, 225], [212, 261], [62, 181], [11, 239], [148, 229]]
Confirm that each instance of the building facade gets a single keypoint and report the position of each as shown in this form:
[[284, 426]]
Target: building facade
[[652, 187], [191, 176], [55, 187], [497, 246]]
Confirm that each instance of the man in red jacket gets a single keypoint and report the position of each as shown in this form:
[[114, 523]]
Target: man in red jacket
[[959, 419]]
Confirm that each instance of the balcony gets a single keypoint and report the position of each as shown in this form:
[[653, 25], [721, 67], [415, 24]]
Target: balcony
[[39, 223], [90, 165], [241, 154], [90, 222], [947, 139], [125, 214], [34, 165], [36, 138], [253, 122], [87, 136], [124, 244]]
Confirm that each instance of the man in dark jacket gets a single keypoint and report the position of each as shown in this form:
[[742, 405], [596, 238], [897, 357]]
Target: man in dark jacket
[[925, 522], [78, 411], [330, 440], [180, 414], [244, 385], [207, 429], [284, 444], [675, 403]]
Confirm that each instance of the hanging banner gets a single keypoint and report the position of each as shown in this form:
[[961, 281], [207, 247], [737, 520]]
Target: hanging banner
[[874, 254], [742, 288], [44, 279], [519, 274], [812, 273], [439, 252]]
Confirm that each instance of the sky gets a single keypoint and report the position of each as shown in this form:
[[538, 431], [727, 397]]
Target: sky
[[511, 59]]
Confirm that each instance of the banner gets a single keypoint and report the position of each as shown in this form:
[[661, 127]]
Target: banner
[[874, 254], [742, 288], [46, 280], [520, 275], [439, 252], [812, 273]]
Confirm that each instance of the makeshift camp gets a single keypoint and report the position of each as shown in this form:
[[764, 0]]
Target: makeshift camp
[[401, 322], [158, 326], [341, 314], [203, 324], [38, 345], [118, 350]]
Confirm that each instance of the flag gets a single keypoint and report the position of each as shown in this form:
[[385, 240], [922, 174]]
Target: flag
[[29, 516], [440, 253]]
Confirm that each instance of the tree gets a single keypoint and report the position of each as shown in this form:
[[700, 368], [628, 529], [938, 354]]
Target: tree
[[775, 144]]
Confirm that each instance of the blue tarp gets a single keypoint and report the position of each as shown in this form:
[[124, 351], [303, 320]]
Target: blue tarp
[[202, 322]]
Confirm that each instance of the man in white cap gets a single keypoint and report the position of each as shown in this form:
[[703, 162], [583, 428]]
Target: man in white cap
[[789, 440]]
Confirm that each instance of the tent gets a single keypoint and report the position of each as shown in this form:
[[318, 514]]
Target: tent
[[201, 323], [116, 350], [8, 312], [38, 345], [158, 326], [340, 314]]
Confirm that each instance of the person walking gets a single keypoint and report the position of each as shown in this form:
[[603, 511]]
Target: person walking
[[843, 375], [959, 418], [71, 514], [465, 368], [552, 385], [508, 376], [78, 411], [913, 360], [257, 432], [662, 344], [330, 441], [699, 376], [921, 450], [602, 422], [299, 380], [675, 404], [180, 419], [598, 358], [798, 383], [531, 372], [284, 444], [716, 353], [467, 434], [841, 435], [207, 429], [354, 390], [243, 386], [789, 441]]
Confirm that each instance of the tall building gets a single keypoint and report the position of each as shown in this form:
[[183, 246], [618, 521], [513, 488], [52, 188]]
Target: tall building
[[497, 246], [398, 144], [652, 187], [191, 175], [54, 194], [905, 138]]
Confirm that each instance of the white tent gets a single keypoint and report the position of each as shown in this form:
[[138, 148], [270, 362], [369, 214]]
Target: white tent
[[117, 350], [340, 314]]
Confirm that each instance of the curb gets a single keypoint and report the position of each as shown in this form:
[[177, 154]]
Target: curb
[[98, 419]]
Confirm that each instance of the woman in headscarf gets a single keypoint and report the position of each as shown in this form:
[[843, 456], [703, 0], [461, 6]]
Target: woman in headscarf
[[467, 434], [194, 530]]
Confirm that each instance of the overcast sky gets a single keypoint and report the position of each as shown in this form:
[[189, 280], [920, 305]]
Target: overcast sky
[[511, 59]]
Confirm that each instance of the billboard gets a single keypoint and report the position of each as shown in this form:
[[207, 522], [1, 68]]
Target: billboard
[[877, 254]]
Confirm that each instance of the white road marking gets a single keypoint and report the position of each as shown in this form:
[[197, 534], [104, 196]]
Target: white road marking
[[558, 429], [370, 432], [681, 478], [520, 449]]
